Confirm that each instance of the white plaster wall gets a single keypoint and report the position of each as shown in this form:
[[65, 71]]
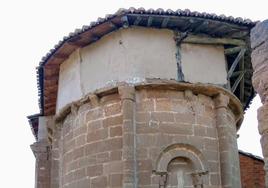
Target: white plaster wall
[[43, 124], [69, 86], [132, 55], [203, 63], [129, 55]]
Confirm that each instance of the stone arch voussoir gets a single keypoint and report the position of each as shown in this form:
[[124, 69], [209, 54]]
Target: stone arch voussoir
[[181, 150]]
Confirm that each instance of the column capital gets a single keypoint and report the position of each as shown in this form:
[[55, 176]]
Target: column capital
[[221, 101], [40, 148], [127, 92]]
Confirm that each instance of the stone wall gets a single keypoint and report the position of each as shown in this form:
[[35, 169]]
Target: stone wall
[[91, 141], [259, 44], [171, 123], [146, 137]]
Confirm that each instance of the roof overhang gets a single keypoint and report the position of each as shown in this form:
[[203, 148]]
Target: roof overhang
[[195, 23], [34, 123]]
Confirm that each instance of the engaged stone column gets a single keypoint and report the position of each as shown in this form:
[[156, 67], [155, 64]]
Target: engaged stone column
[[229, 161], [42, 165], [129, 144], [259, 44]]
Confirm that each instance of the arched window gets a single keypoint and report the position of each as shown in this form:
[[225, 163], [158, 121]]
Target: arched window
[[181, 165]]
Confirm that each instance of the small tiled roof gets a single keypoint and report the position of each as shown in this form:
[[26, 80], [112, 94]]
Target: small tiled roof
[[181, 20], [34, 123], [251, 155]]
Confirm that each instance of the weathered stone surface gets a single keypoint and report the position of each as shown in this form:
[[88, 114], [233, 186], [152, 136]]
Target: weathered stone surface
[[120, 141], [263, 119], [259, 38], [259, 34], [264, 144]]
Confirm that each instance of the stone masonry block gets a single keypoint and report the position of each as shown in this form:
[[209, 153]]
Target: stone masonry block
[[99, 182], [143, 117], [163, 105], [259, 34], [259, 56], [113, 167], [181, 106], [145, 105], [264, 144], [115, 131], [112, 98], [80, 140], [83, 183], [144, 178], [94, 125], [115, 180], [187, 118], [112, 121], [115, 155], [99, 134], [145, 128], [162, 116], [171, 128], [103, 157], [95, 170], [79, 152], [79, 173], [263, 119], [145, 165], [112, 109], [126, 92], [94, 114]]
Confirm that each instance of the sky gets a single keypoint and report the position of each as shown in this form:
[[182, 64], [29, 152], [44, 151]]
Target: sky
[[30, 28]]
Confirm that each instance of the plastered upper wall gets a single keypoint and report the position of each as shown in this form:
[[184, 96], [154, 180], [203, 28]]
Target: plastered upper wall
[[203, 63], [129, 54], [132, 55], [69, 87]]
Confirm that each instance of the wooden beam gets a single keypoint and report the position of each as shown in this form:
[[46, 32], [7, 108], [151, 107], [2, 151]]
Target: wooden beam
[[187, 25], [165, 22], [137, 21], [237, 81], [201, 26], [149, 22], [209, 40], [113, 25], [234, 64], [179, 37], [242, 83], [233, 50], [125, 23], [236, 73], [94, 37], [217, 29]]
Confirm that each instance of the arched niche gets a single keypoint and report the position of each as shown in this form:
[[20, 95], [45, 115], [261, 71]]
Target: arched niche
[[181, 165]]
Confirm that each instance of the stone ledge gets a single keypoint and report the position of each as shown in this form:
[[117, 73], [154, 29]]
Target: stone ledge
[[205, 89]]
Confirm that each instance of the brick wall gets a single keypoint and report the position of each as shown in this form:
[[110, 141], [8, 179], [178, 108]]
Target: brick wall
[[252, 173]]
